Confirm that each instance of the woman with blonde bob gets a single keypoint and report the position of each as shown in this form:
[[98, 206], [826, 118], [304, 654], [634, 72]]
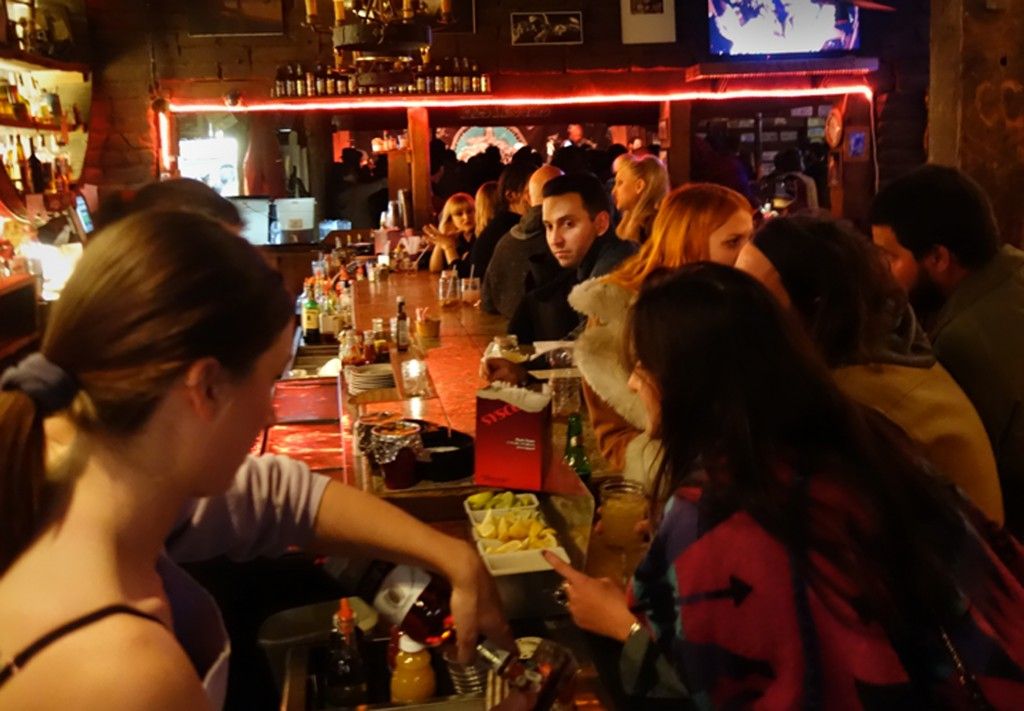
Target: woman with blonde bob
[[699, 222], [453, 237], [640, 186]]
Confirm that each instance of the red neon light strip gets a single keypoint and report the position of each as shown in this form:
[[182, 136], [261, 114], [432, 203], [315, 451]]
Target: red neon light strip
[[185, 107], [164, 126]]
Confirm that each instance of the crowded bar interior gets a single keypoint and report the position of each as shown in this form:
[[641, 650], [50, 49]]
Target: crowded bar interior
[[511, 354]]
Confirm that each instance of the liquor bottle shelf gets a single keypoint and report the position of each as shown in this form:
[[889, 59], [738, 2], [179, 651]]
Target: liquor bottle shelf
[[30, 125], [21, 60]]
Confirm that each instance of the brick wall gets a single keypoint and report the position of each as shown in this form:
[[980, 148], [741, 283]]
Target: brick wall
[[122, 143]]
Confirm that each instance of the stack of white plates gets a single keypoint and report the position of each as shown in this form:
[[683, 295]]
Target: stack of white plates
[[369, 377]]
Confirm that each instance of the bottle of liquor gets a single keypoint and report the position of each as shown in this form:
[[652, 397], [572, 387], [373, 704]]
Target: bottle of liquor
[[575, 455], [448, 76], [320, 80], [421, 80], [438, 80], [279, 84], [413, 599], [485, 83], [546, 674], [300, 80], [289, 81], [26, 175], [467, 77], [35, 168], [401, 326], [331, 81], [475, 79], [311, 81], [345, 676], [310, 318]]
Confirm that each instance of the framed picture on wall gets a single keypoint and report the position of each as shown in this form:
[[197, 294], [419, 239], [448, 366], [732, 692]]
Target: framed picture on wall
[[534, 28], [463, 15], [648, 21], [214, 18]]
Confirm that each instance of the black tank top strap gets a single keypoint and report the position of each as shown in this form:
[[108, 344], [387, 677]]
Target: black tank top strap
[[19, 660]]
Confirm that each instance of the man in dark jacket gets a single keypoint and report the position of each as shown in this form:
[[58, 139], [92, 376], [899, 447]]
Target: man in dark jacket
[[937, 229], [581, 246]]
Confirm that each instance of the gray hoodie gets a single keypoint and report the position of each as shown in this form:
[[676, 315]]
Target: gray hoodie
[[505, 281]]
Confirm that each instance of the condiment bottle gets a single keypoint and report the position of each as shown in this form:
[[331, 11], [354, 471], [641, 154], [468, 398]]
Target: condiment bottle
[[413, 679], [345, 680]]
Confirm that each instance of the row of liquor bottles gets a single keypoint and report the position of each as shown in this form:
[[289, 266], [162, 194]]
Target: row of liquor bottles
[[453, 75], [23, 99], [44, 168]]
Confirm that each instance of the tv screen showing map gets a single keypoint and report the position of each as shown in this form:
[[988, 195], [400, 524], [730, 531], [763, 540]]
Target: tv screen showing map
[[782, 27]]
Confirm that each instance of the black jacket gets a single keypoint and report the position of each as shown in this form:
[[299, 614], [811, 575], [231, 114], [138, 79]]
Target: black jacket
[[483, 246], [544, 313]]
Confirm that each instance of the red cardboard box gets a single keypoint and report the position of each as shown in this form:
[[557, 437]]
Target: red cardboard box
[[513, 437]]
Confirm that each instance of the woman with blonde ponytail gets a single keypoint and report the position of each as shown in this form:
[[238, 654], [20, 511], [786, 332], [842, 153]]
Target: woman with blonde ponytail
[[640, 186]]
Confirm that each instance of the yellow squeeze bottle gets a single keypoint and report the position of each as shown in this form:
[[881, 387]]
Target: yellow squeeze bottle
[[413, 679]]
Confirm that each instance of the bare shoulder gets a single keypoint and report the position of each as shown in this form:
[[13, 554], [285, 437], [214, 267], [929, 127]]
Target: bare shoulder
[[121, 662]]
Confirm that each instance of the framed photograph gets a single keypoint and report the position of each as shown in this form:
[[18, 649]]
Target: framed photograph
[[533, 28], [463, 15], [215, 18], [648, 21]]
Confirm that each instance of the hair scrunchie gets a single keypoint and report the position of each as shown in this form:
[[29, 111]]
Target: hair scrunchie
[[51, 388]]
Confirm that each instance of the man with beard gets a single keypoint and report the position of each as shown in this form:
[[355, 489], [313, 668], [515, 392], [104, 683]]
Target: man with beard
[[937, 229]]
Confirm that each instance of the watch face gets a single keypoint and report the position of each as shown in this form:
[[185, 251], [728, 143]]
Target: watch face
[[834, 128]]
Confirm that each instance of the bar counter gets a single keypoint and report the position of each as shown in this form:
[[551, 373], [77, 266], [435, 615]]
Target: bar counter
[[315, 415]]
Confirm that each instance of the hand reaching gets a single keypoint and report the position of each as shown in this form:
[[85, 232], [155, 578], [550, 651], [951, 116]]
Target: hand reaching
[[597, 605], [476, 608]]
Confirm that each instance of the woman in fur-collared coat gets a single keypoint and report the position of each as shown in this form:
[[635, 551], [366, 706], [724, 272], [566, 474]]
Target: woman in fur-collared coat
[[697, 222]]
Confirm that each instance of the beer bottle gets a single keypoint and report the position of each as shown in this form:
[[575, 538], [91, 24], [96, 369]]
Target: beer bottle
[[401, 326], [310, 318], [575, 455]]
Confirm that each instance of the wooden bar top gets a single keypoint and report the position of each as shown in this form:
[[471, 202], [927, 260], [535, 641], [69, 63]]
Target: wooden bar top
[[453, 359]]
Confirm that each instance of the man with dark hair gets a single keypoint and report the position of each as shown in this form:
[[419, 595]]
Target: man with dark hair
[[576, 220], [936, 227]]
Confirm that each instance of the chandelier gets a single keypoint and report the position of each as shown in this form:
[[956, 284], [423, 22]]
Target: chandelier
[[388, 28]]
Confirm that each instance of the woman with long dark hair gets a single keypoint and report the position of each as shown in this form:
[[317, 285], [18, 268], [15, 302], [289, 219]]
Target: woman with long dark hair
[[805, 554]]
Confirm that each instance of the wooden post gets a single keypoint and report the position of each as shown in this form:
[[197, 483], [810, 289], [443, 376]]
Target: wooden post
[[677, 116], [419, 147], [945, 93]]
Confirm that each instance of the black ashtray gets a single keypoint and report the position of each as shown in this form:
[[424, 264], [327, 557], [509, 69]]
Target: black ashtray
[[451, 453]]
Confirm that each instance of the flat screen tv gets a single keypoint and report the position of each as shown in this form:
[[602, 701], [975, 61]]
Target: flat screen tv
[[777, 28]]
